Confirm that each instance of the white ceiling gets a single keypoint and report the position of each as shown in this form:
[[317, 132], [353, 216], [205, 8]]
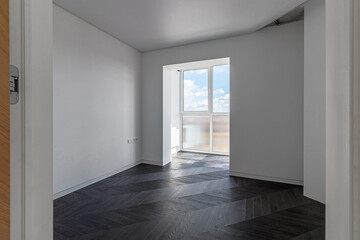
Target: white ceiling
[[154, 24]]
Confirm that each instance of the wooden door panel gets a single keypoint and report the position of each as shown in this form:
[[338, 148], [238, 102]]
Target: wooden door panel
[[4, 122]]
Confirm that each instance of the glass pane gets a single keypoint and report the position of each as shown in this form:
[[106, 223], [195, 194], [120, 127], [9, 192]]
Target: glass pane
[[221, 88], [221, 139], [196, 133], [196, 90]]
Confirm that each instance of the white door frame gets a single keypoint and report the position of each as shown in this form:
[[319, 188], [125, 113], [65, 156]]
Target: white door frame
[[342, 119], [17, 157], [38, 28], [355, 75], [32, 120]]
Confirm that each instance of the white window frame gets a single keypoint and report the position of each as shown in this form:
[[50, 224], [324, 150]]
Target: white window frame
[[208, 113]]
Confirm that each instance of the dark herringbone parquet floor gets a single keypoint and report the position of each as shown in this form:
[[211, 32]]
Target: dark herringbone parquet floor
[[193, 197]]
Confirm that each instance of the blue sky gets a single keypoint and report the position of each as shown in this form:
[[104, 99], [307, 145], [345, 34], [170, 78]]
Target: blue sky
[[196, 89]]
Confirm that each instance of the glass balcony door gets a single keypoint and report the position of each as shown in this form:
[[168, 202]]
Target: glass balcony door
[[205, 109]]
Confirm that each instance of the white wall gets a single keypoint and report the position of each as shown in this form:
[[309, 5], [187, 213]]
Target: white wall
[[171, 106], [97, 97], [175, 111], [166, 118], [314, 100], [266, 100]]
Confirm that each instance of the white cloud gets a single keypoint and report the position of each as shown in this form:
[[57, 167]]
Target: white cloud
[[222, 103], [203, 92], [196, 98], [203, 103], [219, 91], [200, 105], [193, 96], [189, 86], [190, 89], [188, 83], [221, 69]]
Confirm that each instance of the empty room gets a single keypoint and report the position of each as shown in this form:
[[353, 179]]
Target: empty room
[[194, 119], [188, 120]]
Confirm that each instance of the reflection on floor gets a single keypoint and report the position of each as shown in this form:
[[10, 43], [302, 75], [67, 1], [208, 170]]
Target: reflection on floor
[[191, 198]]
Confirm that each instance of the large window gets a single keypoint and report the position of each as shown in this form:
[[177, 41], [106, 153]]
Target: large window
[[205, 107], [196, 89]]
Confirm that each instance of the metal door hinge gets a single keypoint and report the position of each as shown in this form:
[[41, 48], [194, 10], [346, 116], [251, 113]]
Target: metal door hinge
[[14, 85]]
